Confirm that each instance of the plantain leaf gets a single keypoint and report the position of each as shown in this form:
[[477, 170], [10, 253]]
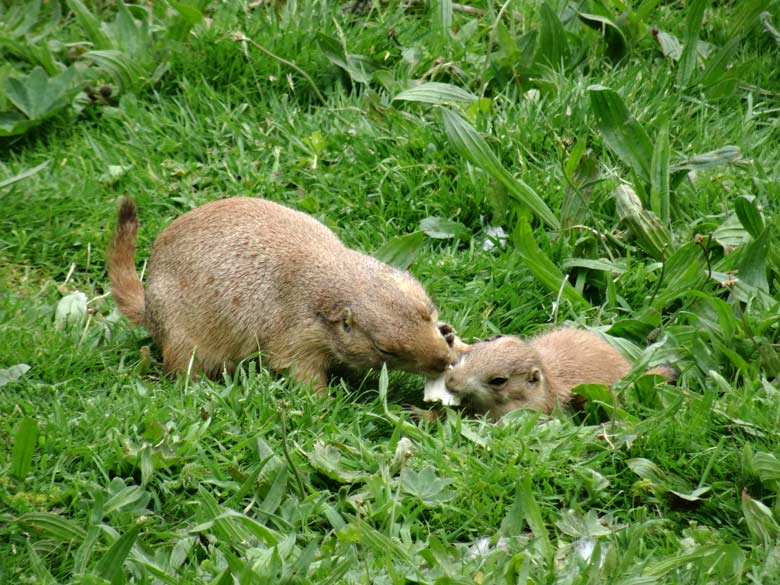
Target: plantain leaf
[[542, 267], [749, 215], [552, 47], [90, 23], [358, 67], [471, 146], [53, 525], [651, 234], [433, 92], [617, 46], [110, 566], [401, 251], [25, 441], [758, 518], [687, 64], [119, 66], [659, 178], [444, 15], [622, 133], [752, 266], [441, 228]]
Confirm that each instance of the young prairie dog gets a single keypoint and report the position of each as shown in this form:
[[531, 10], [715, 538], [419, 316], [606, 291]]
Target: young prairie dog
[[502, 374], [240, 275]]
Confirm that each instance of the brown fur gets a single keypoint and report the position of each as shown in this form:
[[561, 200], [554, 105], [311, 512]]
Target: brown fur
[[239, 275], [538, 373]]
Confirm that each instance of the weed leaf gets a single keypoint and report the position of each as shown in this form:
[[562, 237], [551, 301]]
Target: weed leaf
[[53, 525], [110, 566], [622, 133], [39, 96], [401, 251], [617, 46], [760, 522], [25, 441], [707, 160], [441, 228], [752, 267], [650, 233], [12, 374], [542, 267], [23, 175], [433, 92], [687, 64], [553, 47], [749, 215], [659, 178], [425, 485], [91, 25], [471, 146]]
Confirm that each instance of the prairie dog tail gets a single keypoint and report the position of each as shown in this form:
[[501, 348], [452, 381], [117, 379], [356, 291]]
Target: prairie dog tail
[[667, 372], [126, 287]]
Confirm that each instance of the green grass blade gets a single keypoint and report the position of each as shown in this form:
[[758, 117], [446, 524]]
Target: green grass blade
[[542, 267], [433, 92], [687, 63], [25, 441], [110, 565], [659, 178], [471, 146], [622, 133], [23, 175]]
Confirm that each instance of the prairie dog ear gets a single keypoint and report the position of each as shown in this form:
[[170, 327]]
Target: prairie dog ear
[[340, 312], [534, 376]]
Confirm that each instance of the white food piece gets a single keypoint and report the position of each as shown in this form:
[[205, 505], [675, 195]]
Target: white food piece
[[436, 391]]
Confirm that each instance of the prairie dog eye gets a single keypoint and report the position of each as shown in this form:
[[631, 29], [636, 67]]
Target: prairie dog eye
[[497, 381], [385, 353]]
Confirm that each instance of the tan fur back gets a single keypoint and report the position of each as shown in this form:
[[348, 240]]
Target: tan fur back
[[575, 356], [240, 275]]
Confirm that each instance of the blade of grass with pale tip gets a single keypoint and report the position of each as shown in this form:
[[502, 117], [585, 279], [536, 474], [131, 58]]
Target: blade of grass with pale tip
[[659, 177], [434, 92], [687, 63], [542, 267], [23, 175], [471, 146], [24, 446], [622, 133]]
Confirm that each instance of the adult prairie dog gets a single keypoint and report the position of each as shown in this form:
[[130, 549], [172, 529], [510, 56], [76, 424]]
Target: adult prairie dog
[[506, 372], [239, 275]]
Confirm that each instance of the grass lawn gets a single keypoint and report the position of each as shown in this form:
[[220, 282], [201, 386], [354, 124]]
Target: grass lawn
[[607, 164]]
